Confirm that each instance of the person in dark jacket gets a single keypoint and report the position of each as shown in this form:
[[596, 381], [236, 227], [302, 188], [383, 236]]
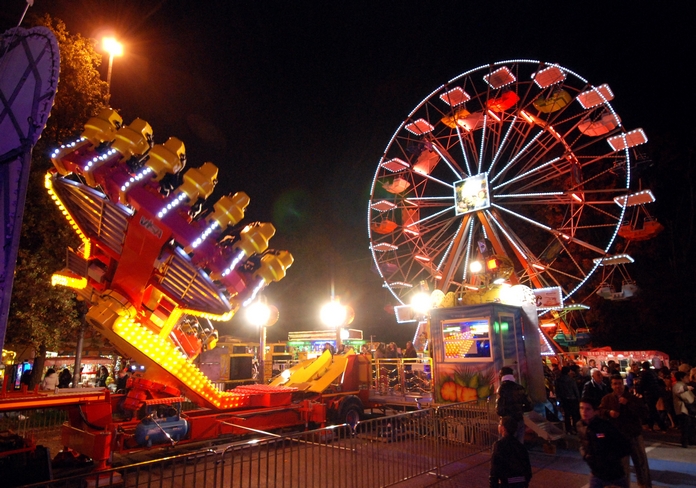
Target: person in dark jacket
[[602, 447], [595, 388], [651, 387], [122, 380], [64, 378], [103, 375], [410, 351], [510, 464], [512, 400], [568, 396], [626, 412]]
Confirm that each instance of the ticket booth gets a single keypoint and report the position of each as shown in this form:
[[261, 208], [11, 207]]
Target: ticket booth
[[470, 344]]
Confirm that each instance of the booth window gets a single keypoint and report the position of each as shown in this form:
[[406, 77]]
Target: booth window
[[467, 339]]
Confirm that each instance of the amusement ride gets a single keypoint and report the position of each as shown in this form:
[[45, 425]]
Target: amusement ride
[[522, 167], [515, 172]]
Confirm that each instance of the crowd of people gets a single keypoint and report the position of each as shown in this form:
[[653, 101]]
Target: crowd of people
[[665, 393], [607, 412], [52, 380]]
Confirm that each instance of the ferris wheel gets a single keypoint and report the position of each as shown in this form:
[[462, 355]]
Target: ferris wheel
[[521, 163]]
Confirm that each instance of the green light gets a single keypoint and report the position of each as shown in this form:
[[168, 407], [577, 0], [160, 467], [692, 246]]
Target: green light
[[496, 327], [505, 326]]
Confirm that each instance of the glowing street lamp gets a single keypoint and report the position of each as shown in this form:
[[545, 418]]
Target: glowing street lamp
[[421, 303], [262, 316], [335, 315], [114, 48]]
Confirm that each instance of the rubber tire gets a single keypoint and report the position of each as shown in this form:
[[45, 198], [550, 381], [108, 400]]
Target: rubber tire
[[350, 412]]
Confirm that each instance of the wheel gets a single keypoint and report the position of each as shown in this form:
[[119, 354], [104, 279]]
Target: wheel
[[519, 161], [350, 412]]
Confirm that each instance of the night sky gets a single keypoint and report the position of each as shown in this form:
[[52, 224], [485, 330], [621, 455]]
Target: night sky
[[296, 103]]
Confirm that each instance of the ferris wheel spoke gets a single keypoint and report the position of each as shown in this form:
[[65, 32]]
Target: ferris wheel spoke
[[469, 247], [516, 156], [527, 174], [483, 141], [450, 264], [511, 125], [534, 268], [552, 231], [519, 248], [470, 142], [538, 198], [421, 200], [449, 160], [430, 217], [463, 148], [549, 172], [432, 238], [612, 217], [432, 178], [551, 273]]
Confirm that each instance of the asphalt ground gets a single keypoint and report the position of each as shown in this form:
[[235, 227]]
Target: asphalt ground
[[671, 466]]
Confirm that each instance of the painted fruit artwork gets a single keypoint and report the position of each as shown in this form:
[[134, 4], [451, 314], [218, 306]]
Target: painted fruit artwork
[[465, 385]]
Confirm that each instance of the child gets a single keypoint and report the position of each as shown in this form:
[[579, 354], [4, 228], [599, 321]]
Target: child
[[510, 464]]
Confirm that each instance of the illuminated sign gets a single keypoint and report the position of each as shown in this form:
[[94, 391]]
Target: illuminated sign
[[471, 194], [549, 298], [467, 339]]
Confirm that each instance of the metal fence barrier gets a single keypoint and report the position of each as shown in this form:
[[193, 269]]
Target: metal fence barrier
[[377, 452], [402, 376], [37, 424]]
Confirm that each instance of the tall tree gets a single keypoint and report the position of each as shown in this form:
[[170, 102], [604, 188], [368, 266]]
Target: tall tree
[[42, 316]]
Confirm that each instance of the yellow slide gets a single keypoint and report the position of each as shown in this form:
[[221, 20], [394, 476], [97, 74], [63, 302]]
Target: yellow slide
[[314, 374]]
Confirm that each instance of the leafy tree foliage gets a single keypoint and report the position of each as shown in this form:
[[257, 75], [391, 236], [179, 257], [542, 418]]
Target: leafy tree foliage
[[42, 316], [80, 90]]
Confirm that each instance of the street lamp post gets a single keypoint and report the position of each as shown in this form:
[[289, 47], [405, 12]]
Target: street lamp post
[[335, 315], [263, 316], [114, 48]]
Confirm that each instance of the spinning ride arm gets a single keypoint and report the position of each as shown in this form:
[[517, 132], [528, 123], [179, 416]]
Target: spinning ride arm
[[156, 263]]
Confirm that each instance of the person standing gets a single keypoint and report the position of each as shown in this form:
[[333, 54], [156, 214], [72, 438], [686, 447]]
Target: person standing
[[103, 375], [512, 401], [122, 380], [602, 447], [64, 378], [410, 351], [569, 397], [683, 397], [633, 376], [691, 380], [595, 388], [650, 387], [665, 405], [613, 368], [626, 412], [50, 381], [25, 379], [510, 464]]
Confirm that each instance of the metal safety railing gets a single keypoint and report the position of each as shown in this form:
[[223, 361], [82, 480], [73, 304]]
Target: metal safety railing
[[380, 452], [402, 376], [37, 423]]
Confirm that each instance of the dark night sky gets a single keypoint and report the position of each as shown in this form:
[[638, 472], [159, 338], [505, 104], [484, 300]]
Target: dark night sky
[[295, 103]]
